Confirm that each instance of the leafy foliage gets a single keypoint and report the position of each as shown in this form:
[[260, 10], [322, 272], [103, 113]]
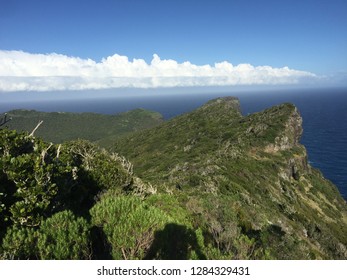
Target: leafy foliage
[[63, 236], [27, 173], [39, 179], [129, 225], [19, 243]]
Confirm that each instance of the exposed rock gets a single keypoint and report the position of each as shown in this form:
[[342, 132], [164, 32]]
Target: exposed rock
[[229, 102], [290, 136]]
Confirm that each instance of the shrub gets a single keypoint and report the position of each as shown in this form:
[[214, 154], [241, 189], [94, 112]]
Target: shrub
[[129, 225], [19, 243], [38, 179], [27, 171], [63, 236]]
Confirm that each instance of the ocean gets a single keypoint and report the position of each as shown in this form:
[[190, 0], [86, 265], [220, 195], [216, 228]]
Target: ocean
[[324, 113]]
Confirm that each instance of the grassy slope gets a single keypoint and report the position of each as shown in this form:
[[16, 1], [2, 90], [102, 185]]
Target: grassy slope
[[60, 127], [230, 171]]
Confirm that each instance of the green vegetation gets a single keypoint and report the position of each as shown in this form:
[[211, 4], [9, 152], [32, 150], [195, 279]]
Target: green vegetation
[[129, 225], [60, 127], [245, 181], [60, 237], [210, 184]]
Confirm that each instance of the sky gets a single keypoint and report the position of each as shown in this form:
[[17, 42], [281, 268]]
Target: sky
[[48, 45]]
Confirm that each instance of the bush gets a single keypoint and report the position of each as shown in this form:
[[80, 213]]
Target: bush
[[19, 243], [27, 169], [65, 237], [105, 169], [38, 179], [129, 225]]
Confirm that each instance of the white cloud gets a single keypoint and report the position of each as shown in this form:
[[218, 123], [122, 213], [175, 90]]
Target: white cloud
[[21, 71]]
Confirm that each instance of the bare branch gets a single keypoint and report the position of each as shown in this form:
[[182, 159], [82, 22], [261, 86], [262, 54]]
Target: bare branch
[[4, 120], [58, 151], [44, 152], [32, 133]]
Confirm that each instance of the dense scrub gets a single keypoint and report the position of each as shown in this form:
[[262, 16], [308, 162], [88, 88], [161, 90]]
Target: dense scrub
[[68, 201]]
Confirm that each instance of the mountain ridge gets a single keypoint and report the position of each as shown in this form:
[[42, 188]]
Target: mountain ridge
[[231, 156], [64, 126]]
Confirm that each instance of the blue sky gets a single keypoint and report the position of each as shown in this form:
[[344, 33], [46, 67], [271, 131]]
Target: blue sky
[[307, 35]]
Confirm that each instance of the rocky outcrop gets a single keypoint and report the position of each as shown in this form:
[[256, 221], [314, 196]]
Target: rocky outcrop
[[226, 103], [290, 136]]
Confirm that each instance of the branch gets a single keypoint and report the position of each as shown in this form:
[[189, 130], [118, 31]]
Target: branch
[[44, 152], [58, 151], [4, 120], [32, 133]]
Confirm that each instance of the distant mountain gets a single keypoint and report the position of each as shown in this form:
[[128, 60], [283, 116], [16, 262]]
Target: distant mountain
[[209, 184], [58, 127]]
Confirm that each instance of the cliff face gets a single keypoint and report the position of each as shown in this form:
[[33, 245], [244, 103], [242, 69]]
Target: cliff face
[[290, 136], [250, 169]]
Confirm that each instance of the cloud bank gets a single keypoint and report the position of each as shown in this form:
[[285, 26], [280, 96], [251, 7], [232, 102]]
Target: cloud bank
[[22, 71]]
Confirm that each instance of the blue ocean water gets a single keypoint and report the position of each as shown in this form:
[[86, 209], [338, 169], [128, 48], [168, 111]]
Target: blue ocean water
[[324, 113]]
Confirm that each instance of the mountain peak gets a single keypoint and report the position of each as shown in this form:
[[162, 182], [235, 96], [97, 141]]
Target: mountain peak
[[228, 102]]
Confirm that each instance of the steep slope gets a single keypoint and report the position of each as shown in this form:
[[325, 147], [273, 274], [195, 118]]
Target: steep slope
[[58, 127], [186, 137], [244, 180]]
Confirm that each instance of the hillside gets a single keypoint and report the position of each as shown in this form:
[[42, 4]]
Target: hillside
[[210, 184], [58, 127], [244, 177]]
